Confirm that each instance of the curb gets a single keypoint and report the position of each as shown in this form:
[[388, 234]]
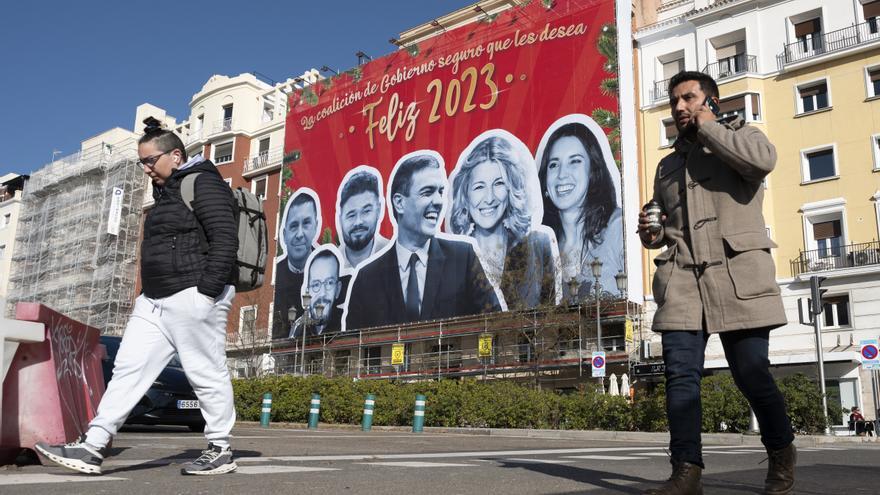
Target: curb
[[600, 435]]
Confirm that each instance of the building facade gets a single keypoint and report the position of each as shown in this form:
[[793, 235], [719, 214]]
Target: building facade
[[807, 73], [10, 208]]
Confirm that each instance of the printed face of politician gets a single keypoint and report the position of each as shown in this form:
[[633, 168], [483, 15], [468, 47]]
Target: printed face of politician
[[323, 286], [419, 212], [487, 194], [300, 229], [568, 173], [358, 218]]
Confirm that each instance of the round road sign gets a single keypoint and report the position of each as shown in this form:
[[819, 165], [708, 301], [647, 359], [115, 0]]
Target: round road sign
[[869, 351], [598, 362]]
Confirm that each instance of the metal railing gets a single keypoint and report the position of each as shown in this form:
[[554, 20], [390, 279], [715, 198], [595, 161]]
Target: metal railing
[[732, 66], [835, 258], [660, 91], [263, 160], [223, 125], [823, 43]]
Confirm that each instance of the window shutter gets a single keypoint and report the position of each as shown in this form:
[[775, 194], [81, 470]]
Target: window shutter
[[871, 9], [811, 90], [726, 51], [671, 130], [802, 29], [736, 104], [756, 104], [826, 230], [874, 75]]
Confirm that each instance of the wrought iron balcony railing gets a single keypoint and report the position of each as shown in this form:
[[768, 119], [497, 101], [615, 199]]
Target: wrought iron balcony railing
[[835, 258], [660, 90], [264, 160], [834, 41], [732, 66]]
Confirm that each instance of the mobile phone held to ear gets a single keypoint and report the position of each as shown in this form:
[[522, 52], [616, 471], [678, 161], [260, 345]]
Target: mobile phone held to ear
[[712, 106]]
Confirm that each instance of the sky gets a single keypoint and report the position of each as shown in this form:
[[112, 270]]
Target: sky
[[71, 70]]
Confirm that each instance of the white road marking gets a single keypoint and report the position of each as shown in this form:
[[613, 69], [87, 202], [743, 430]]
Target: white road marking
[[416, 464], [33, 479], [536, 461], [606, 457], [272, 469], [734, 452]]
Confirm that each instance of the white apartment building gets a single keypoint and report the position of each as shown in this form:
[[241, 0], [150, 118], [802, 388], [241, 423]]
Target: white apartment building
[[10, 206]]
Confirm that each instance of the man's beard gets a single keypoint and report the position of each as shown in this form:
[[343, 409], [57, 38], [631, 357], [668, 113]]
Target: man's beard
[[356, 243], [327, 307]]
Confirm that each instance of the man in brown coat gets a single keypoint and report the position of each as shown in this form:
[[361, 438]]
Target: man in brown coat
[[716, 276]]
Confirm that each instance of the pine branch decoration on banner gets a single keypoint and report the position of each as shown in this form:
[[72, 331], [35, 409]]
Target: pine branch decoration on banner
[[608, 119]]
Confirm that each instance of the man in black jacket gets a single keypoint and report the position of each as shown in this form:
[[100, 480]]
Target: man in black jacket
[[187, 266], [420, 276]]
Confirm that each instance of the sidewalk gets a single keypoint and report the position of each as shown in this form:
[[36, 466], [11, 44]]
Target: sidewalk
[[595, 435]]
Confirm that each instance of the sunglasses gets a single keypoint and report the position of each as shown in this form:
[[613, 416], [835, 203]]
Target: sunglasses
[[150, 161]]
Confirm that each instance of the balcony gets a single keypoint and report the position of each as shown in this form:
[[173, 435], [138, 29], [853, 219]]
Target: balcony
[[263, 162], [826, 43], [223, 125], [733, 66], [847, 256], [660, 91]]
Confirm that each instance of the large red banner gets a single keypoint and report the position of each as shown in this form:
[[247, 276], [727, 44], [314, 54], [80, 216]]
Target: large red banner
[[518, 112]]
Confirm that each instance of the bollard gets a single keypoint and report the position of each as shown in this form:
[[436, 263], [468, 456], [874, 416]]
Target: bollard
[[265, 415], [419, 414], [314, 411], [369, 403]]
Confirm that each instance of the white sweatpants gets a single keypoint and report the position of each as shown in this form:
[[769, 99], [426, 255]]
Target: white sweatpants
[[190, 324]]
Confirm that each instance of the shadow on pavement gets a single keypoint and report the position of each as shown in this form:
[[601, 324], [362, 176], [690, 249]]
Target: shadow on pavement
[[596, 478], [181, 457]]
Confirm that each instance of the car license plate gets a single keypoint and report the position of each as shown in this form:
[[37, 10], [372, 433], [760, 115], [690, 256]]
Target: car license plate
[[187, 404]]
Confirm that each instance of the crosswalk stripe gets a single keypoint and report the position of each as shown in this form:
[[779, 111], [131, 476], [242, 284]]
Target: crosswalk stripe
[[33, 479], [536, 461], [416, 464], [606, 457], [274, 469]]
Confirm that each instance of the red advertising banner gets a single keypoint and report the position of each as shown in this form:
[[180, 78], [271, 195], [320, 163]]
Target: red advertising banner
[[473, 171]]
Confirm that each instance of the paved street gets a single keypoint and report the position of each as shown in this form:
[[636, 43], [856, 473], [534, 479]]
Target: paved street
[[147, 461]]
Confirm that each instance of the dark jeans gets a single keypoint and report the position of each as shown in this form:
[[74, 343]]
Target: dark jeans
[[746, 352]]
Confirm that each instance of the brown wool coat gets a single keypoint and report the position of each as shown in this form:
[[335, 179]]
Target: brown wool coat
[[717, 266]]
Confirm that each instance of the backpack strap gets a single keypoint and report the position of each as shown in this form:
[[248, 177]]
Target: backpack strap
[[188, 189]]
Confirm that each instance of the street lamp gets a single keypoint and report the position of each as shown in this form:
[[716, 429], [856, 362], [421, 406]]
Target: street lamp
[[620, 278], [307, 303], [573, 287], [596, 267]]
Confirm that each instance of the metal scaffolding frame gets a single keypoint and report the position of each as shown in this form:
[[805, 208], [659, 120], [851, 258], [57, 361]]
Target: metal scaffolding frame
[[64, 255]]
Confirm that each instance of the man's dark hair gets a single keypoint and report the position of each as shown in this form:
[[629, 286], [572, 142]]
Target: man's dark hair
[[359, 183], [303, 198], [403, 177], [707, 84], [165, 140]]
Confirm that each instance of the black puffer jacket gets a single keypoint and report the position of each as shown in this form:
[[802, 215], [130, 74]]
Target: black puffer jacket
[[183, 248]]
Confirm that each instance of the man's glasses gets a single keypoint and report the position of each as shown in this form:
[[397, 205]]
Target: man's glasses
[[150, 161], [327, 284]]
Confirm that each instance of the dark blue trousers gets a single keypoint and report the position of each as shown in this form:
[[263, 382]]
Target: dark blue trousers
[[747, 355]]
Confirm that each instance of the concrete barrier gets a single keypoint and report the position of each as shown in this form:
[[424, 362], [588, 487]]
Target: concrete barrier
[[52, 387]]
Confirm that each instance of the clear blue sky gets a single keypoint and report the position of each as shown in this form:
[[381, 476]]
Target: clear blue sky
[[70, 70]]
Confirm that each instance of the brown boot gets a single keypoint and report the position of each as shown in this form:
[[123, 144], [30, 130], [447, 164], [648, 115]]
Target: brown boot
[[780, 472], [685, 480]]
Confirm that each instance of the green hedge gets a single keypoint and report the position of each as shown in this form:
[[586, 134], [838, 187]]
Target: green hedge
[[505, 404]]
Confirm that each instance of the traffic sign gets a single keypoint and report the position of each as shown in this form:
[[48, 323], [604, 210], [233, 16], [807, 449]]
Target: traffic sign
[[868, 354], [598, 364]]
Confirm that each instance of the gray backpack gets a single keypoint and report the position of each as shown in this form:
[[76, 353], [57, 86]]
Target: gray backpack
[[252, 234]]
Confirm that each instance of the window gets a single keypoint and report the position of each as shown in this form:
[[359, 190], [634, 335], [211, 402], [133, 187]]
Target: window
[[871, 10], [200, 122], [4, 220], [812, 97], [259, 185], [875, 149], [373, 360], [809, 34], [228, 181], [828, 238], [818, 164], [731, 59], [668, 132], [227, 118], [223, 153], [247, 324], [2, 251], [672, 67], [267, 113], [873, 81], [835, 312]]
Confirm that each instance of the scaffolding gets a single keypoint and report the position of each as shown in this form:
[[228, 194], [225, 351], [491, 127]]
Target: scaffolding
[[68, 253], [549, 346]]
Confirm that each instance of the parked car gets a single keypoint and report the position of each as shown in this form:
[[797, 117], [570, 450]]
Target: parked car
[[170, 401]]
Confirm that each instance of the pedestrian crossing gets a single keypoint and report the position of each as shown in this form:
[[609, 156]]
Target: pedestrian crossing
[[282, 465]]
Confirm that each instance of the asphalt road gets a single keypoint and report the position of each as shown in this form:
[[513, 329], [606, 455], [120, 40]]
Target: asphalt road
[[147, 461]]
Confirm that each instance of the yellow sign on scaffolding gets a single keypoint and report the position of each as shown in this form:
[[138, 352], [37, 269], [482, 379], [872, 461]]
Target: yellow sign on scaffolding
[[397, 353], [629, 330], [485, 347]]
